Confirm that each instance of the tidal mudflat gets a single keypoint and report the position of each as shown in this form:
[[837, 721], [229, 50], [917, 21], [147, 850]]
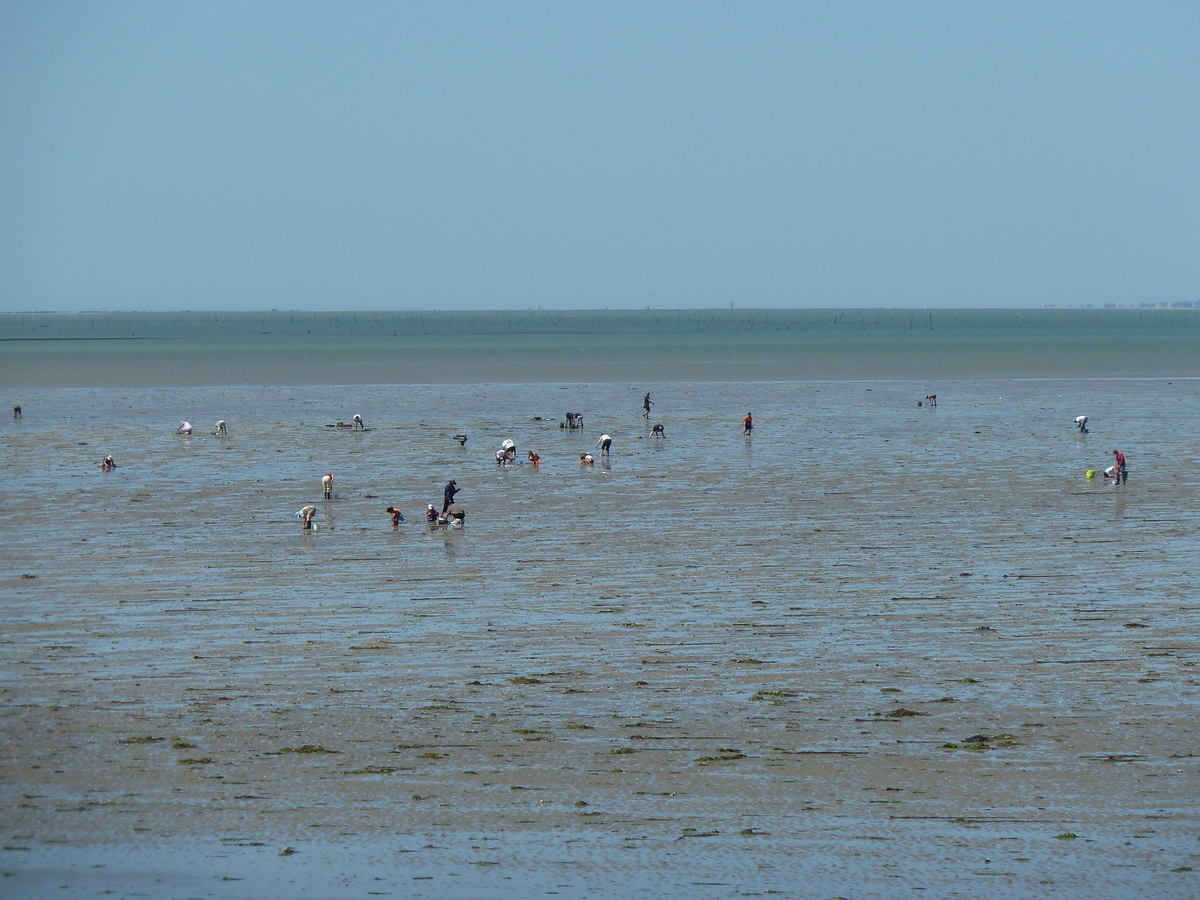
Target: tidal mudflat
[[874, 651]]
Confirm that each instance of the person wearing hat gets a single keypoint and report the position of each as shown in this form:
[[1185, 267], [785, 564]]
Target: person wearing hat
[[448, 493], [305, 515], [431, 513]]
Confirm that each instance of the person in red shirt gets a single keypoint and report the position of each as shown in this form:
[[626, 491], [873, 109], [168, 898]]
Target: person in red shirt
[[748, 424], [1119, 461]]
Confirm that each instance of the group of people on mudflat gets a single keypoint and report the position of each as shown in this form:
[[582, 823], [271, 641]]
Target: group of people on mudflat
[[453, 514], [1117, 471]]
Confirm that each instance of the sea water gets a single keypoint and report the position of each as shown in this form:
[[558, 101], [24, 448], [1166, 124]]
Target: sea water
[[859, 539], [294, 348]]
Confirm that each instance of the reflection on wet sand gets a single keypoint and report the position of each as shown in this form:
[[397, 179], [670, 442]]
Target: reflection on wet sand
[[871, 657]]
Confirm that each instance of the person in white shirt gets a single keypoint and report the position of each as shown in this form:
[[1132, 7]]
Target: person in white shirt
[[305, 514]]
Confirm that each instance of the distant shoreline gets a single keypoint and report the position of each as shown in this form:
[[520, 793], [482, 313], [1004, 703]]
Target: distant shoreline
[[381, 323], [1109, 307]]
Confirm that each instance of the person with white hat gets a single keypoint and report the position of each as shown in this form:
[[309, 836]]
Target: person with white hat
[[305, 514]]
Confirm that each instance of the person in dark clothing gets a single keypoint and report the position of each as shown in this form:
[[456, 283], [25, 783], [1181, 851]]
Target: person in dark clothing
[[646, 404], [748, 424], [448, 494]]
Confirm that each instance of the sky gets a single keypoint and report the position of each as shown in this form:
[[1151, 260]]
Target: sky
[[506, 155]]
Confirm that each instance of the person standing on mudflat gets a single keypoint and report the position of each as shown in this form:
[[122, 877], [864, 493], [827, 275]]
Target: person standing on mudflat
[[646, 404], [748, 424], [448, 494]]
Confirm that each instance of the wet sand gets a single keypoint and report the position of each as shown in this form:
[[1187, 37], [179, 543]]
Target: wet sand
[[816, 662]]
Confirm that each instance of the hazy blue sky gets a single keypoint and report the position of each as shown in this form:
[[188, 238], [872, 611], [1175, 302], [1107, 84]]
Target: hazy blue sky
[[390, 155]]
